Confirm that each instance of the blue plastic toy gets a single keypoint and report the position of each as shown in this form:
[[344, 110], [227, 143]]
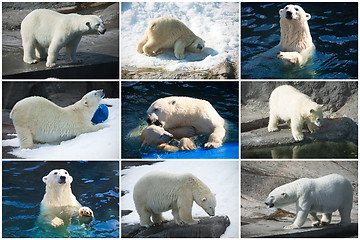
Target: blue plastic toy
[[101, 114]]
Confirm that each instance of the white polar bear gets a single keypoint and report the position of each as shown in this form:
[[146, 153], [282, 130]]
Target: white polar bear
[[158, 192], [289, 104], [59, 205], [157, 136], [324, 195], [36, 119], [296, 44], [44, 28], [187, 117], [169, 32]]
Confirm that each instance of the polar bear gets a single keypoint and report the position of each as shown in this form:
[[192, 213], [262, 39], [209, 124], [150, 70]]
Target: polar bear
[[158, 192], [169, 32], [44, 28], [157, 136], [59, 205], [187, 117], [36, 119], [296, 44], [289, 104], [325, 195]]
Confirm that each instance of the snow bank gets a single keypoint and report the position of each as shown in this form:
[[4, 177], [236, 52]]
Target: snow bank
[[222, 177], [103, 144], [216, 23]]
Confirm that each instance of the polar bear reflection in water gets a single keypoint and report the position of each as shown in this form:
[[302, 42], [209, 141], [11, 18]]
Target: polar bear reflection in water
[[59, 207]]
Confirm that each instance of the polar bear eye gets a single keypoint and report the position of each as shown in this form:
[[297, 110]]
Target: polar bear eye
[[296, 9], [55, 173], [156, 109], [85, 103], [65, 172]]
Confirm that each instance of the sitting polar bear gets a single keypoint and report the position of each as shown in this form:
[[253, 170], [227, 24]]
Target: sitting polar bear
[[325, 195], [157, 136], [36, 119], [296, 44], [59, 205], [44, 28], [289, 104], [169, 32], [188, 117], [158, 192]]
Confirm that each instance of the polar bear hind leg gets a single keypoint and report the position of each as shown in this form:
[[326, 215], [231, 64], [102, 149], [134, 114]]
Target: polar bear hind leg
[[140, 46], [314, 219], [345, 216], [25, 137], [151, 49]]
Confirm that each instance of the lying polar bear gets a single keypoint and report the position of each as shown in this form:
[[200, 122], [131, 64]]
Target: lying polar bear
[[36, 119], [188, 117], [169, 32], [157, 136], [324, 195], [296, 44], [44, 28], [59, 205]]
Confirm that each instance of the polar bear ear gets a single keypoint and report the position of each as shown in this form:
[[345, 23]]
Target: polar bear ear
[[44, 179], [283, 195], [307, 16], [312, 111], [173, 102], [280, 11]]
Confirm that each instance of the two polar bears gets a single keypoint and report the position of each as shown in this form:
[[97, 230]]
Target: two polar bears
[[289, 104], [296, 44], [325, 195], [187, 117], [169, 32], [44, 28], [59, 204], [158, 192], [36, 119]]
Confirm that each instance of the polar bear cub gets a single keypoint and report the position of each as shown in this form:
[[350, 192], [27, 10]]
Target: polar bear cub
[[169, 32], [188, 117], [296, 44], [158, 192], [59, 204], [289, 104], [44, 28], [324, 195], [36, 119]]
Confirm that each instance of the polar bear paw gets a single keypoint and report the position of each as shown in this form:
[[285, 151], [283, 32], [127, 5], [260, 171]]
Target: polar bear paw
[[210, 145], [273, 129], [30, 61], [57, 222], [292, 226], [187, 144], [290, 57], [85, 211], [298, 137], [50, 65]]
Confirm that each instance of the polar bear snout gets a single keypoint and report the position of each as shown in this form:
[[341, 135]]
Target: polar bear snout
[[269, 202], [288, 15], [100, 93], [62, 180]]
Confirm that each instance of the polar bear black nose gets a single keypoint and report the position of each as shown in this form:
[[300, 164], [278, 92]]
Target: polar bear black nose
[[62, 179], [288, 15], [199, 46]]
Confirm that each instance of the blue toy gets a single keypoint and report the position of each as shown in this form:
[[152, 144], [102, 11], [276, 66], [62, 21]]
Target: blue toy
[[101, 114]]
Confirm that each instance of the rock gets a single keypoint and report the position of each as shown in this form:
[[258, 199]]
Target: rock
[[224, 70], [209, 227]]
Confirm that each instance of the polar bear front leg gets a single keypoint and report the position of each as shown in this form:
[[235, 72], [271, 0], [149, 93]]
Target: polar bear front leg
[[186, 144], [215, 138], [296, 129], [185, 207], [71, 50], [179, 49], [53, 53], [57, 222], [326, 219], [301, 215], [40, 52], [290, 57], [144, 215], [273, 122], [314, 219]]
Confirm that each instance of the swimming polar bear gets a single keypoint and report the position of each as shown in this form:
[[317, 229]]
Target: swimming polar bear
[[37, 119], [44, 28], [169, 32]]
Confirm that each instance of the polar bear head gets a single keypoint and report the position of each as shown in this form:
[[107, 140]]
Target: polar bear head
[[208, 203], [57, 177], [90, 102], [294, 12], [155, 135], [161, 110], [196, 46], [93, 25], [316, 115], [281, 196]]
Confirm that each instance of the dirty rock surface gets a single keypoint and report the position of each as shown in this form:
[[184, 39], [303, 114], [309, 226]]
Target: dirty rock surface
[[99, 54], [259, 178]]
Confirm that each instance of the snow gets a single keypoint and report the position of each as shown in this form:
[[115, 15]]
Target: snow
[[216, 23], [103, 144], [222, 177]]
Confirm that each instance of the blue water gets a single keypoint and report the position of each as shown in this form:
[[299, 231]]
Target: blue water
[[138, 96], [334, 30], [95, 185]]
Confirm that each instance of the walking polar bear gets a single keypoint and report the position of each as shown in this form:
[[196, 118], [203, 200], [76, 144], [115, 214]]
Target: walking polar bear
[[59, 204], [324, 195], [296, 44], [188, 117], [289, 104], [36, 119], [169, 32], [158, 192], [44, 28]]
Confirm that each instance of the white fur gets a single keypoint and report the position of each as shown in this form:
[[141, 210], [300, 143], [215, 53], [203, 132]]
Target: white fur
[[296, 44], [324, 195], [157, 192], [289, 104], [44, 28], [169, 32], [187, 117], [36, 119]]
